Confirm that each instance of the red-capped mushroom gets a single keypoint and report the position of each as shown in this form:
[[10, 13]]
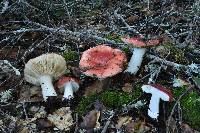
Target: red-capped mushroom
[[158, 92], [138, 51], [102, 61], [69, 85]]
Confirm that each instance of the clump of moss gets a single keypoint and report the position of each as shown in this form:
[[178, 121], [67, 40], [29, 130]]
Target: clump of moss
[[177, 54], [70, 55], [114, 37], [190, 105], [126, 49], [111, 99]]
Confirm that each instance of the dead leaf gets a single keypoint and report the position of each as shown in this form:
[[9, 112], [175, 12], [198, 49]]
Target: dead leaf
[[127, 87], [166, 39], [44, 123], [98, 105], [185, 128], [75, 71], [137, 126], [24, 93], [30, 94], [172, 125], [62, 118], [26, 125], [90, 120], [123, 121], [36, 94], [97, 121], [10, 53], [39, 112], [96, 87], [132, 18]]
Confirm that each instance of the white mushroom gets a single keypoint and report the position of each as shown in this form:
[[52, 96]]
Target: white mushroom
[[138, 52], [42, 70], [69, 85], [158, 92]]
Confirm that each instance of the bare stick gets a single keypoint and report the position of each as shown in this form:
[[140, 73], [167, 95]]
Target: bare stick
[[108, 122], [166, 62], [126, 24], [61, 31], [173, 109]]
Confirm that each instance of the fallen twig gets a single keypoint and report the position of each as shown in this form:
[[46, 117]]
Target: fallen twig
[[187, 68], [5, 6], [61, 31], [173, 109], [126, 24], [7, 67], [108, 122]]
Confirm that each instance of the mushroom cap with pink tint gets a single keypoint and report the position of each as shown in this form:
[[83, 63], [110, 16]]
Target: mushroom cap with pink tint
[[102, 61], [159, 89], [63, 80], [138, 42]]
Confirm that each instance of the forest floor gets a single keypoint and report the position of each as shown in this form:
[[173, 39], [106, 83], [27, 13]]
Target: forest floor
[[30, 28]]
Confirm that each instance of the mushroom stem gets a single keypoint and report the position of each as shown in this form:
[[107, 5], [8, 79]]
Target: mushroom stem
[[136, 60], [68, 91], [153, 110], [47, 86]]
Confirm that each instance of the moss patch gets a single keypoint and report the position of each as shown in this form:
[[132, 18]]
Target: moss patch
[[114, 37], [111, 99], [70, 55], [190, 104], [177, 54], [126, 49]]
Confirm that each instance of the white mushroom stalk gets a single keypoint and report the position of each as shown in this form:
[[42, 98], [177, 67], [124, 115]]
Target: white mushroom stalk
[[158, 92], [136, 60], [153, 110], [47, 86], [138, 52], [69, 85], [69, 89]]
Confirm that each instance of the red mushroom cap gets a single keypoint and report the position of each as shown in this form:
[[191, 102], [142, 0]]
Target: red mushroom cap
[[163, 89], [102, 61], [61, 82], [138, 42]]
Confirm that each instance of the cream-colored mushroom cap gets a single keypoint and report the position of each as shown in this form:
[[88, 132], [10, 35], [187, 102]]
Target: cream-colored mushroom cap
[[51, 64]]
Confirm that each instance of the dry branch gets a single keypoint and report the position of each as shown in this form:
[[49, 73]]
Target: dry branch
[[61, 31], [187, 68]]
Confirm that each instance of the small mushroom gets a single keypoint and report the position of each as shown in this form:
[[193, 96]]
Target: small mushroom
[[69, 85], [138, 52], [158, 92], [42, 70], [102, 61]]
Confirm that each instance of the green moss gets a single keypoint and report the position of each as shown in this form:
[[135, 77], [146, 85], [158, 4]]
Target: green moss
[[114, 37], [190, 104], [70, 55], [111, 99], [177, 54], [126, 49]]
